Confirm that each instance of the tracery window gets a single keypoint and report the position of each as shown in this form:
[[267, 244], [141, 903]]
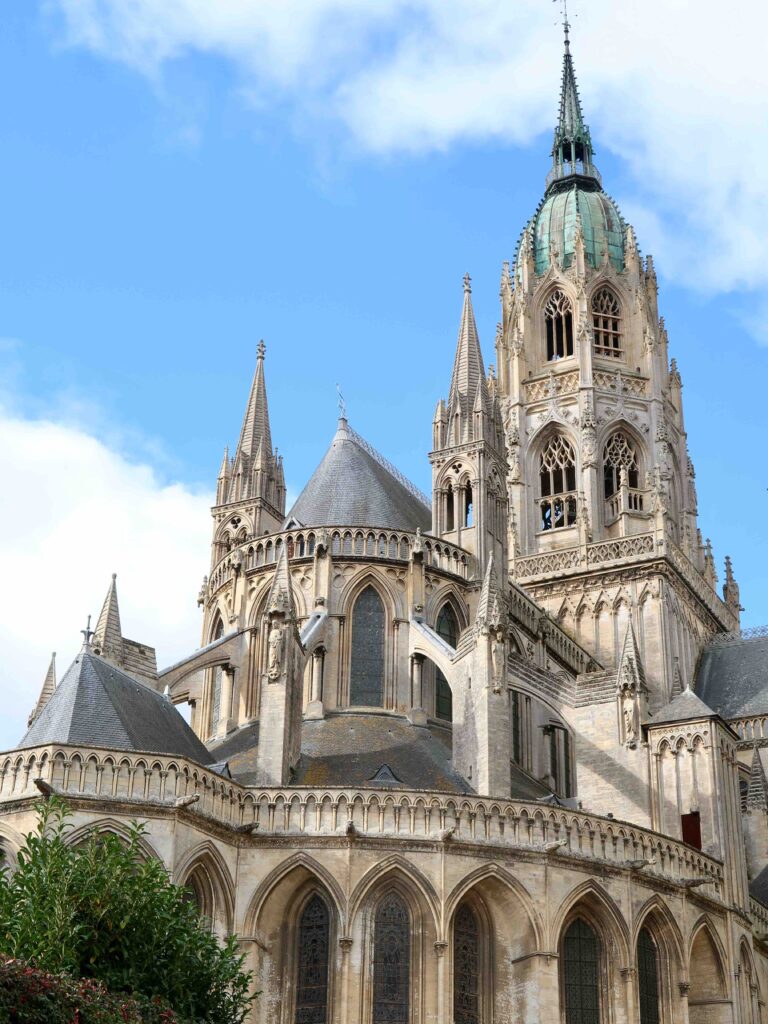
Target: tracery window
[[606, 323], [619, 453], [366, 685], [581, 971], [312, 963], [466, 966], [391, 962], [557, 476], [448, 628], [558, 317], [648, 977]]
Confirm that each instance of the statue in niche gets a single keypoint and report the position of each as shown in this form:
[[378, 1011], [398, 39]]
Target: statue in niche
[[498, 660], [275, 650], [629, 714], [418, 544]]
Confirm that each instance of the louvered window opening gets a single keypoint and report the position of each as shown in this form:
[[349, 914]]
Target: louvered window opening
[[448, 628], [466, 967], [581, 971], [557, 480], [312, 981], [648, 977], [366, 686], [606, 324], [391, 962], [558, 317]]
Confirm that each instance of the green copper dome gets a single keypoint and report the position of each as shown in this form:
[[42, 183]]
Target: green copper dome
[[554, 227]]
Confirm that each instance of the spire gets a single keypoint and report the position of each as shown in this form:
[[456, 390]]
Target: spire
[[49, 686], [631, 674], [489, 609], [757, 792], [108, 635], [280, 594], [572, 148], [256, 421], [468, 384]]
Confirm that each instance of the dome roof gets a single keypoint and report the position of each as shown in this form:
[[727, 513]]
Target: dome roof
[[355, 486], [554, 226]]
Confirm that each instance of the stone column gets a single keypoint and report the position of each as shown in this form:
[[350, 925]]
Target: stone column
[[417, 715], [315, 707]]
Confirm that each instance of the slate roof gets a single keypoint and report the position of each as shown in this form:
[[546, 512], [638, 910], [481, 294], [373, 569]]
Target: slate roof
[[733, 677], [96, 704], [684, 707], [352, 487], [758, 887]]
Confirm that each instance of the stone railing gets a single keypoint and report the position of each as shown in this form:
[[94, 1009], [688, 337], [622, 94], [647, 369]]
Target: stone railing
[[343, 542], [559, 643], [752, 728], [575, 558], [699, 586], [759, 915], [302, 812], [552, 385]]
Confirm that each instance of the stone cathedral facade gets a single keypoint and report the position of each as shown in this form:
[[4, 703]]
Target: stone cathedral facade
[[485, 757]]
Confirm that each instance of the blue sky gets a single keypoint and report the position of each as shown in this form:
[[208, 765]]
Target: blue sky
[[167, 201]]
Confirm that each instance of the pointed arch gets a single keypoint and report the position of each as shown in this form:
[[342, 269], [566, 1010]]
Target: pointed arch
[[707, 971], [591, 900], [204, 871], [311, 868], [527, 927], [397, 869], [115, 827]]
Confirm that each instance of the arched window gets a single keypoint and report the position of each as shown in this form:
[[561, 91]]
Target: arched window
[[449, 514], [557, 476], [606, 323], [312, 964], [580, 960], [216, 681], [619, 453], [391, 962], [558, 316], [466, 967], [468, 506], [648, 977], [366, 684], [448, 628]]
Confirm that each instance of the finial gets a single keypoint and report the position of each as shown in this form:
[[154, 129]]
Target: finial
[[467, 284], [342, 403], [261, 350], [87, 633], [566, 23]]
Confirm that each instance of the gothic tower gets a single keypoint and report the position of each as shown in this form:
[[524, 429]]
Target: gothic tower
[[603, 513]]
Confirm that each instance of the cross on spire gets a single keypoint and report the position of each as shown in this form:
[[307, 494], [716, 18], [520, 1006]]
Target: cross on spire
[[87, 633], [342, 403]]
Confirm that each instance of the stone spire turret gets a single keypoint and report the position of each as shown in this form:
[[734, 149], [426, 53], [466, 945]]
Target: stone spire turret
[[757, 793], [108, 635], [572, 147], [469, 388], [49, 687], [256, 431]]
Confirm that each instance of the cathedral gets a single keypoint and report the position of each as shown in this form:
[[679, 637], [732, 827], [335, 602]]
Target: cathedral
[[489, 756]]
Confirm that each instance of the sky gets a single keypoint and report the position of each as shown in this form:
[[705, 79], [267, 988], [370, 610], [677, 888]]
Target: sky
[[179, 179]]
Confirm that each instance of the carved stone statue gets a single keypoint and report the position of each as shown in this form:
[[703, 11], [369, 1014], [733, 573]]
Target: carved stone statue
[[498, 660], [418, 544], [275, 647], [630, 719]]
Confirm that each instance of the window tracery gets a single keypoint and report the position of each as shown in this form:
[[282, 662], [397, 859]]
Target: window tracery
[[366, 685], [648, 977], [558, 317], [391, 962], [619, 454], [581, 956], [466, 966], [606, 324], [312, 964], [557, 476]]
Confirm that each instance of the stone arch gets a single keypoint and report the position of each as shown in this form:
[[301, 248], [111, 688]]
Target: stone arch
[[205, 872], [659, 920], [520, 917], [374, 688], [397, 868], [592, 901], [393, 603], [11, 843], [311, 868], [707, 960], [115, 827], [447, 593]]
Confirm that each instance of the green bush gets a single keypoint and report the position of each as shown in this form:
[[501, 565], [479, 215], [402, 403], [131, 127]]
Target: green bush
[[101, 911]]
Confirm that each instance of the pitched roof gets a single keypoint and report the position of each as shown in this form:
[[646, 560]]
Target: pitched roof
[[355, 486], [733, 676], [96, 704], [686, 706]]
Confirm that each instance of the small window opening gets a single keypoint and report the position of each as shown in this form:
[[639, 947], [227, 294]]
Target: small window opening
[[606, 324], [557, 479], [449, 516], [691, 826], [558, 316], [619, 454], [468, 507]]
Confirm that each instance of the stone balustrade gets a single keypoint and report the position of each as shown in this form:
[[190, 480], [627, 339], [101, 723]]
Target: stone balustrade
[[576, 558], [302, 812]]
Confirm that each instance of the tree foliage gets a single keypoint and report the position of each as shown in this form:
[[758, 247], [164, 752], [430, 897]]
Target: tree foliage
[[102, 910]]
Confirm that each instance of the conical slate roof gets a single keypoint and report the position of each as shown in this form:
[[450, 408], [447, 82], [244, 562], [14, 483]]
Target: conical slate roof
[[353, 486], [98, 705], [686, 706]]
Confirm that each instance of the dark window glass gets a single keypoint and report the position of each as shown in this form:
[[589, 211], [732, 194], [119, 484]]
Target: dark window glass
[[216, 682], [581, 966], [514, 711], [466, 967], [558, 315], [648, 977], [449, 518], [312, 980], [448, 628], [691, 825], [566, 763], [366, 685], [391, 962]]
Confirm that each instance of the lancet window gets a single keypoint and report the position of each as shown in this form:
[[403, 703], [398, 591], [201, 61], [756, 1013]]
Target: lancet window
[[366, 685], [648, 977], [606, 324], [216, 682], [619, 454], [312, 964], [466, 966], [558, 317], [448, 628], [580, 965], [392, 962], [557, 476]]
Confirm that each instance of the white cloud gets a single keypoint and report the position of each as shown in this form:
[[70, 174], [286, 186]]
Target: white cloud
[[75, 511], [677, 91]]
